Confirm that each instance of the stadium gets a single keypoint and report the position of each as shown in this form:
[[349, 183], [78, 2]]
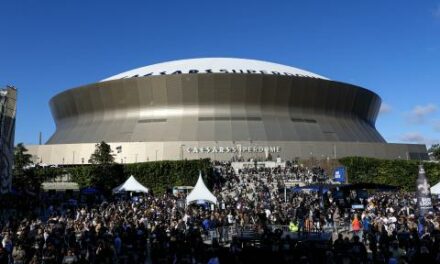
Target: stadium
[[218, 108]]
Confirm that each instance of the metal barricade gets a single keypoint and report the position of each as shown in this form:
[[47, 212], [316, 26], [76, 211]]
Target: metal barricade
[[223, 234], [283, 228]]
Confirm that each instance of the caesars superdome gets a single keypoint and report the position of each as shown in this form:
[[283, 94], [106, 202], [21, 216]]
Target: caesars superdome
[[219, 108]]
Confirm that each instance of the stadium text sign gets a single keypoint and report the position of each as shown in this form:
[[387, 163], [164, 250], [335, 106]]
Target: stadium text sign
[[237, 71], [236, 149]]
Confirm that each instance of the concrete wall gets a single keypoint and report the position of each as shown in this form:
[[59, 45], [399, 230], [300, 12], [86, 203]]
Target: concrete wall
[[132, 152]]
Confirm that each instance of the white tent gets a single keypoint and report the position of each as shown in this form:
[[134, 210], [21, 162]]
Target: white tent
[[435, 189], [130, 185], [200, 192]]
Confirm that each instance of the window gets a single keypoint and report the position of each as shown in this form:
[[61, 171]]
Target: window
[[302, 120], [157, 120], [230, 118]]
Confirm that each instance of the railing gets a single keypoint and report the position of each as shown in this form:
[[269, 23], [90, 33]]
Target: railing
[[284, 228], [226, 234], [223, 234]]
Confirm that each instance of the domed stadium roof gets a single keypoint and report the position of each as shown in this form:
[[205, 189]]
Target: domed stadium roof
[[215, 65]]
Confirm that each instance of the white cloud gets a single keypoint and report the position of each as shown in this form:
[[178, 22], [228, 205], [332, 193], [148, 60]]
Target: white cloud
[[416, 137], [437, 125], [385, 108], [412, 137], [436, 11], [419, 113], [421, 110]]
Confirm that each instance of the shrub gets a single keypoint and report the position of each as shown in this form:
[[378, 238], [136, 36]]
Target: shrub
[[402, 173]]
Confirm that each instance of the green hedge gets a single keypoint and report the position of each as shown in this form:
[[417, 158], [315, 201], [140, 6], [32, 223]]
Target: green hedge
[[160, 175], [157, 175], [402, 173]]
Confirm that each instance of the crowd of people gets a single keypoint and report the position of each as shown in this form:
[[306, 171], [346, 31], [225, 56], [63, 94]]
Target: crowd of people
[[255, 221]]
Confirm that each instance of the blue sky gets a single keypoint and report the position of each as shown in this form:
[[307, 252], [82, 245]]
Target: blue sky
[[390, 47]]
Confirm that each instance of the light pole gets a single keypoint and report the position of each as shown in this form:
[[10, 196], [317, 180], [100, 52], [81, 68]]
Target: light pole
[[181, 151], [215, 153], [73, 157], [156, 154]]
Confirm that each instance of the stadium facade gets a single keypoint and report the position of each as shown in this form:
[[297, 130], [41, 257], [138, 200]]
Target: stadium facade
[[8, 104], [220, 108]]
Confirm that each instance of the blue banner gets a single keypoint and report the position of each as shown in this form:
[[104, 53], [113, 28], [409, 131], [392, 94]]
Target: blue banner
[[339, 174]]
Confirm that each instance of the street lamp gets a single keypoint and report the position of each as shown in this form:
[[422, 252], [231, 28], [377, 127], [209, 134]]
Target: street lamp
[[181, 151], [156, 154], [215, 153]]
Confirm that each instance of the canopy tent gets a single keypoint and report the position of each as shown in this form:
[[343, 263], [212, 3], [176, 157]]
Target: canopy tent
[[60, 186], [200, 192], [131, 185], [435, 189], [369, 185], [314, 188], [89, 191]]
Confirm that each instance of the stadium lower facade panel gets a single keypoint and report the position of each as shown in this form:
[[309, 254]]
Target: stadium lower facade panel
[[133, 152]]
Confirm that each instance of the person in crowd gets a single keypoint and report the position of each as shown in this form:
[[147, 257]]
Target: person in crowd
[[356, 226], [19, 254], [253, 212], [4, 258], [70, 257]]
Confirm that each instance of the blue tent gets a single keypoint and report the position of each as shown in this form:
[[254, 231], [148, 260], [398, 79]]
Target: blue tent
[[73, 202], [89, 190], [314, 188]]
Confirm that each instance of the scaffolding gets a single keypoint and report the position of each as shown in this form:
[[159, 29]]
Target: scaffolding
[[8, 105]]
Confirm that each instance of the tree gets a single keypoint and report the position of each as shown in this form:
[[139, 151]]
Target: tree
[[435, 151], [21, 158], [102, 155], [103, 173], [23, 176]]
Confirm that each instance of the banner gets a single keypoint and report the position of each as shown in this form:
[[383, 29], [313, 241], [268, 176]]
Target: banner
[[424, 203], [339, 174]]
